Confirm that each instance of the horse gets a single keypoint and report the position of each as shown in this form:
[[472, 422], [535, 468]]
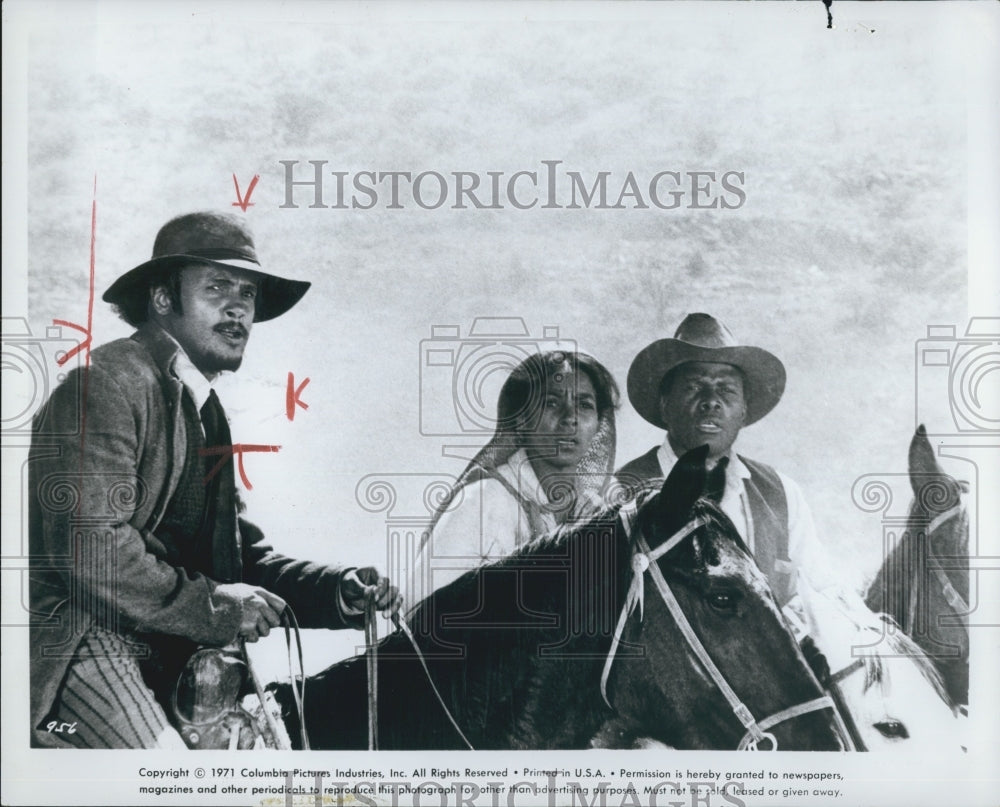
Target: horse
[[890, 694], [923, 584], [546, 648]]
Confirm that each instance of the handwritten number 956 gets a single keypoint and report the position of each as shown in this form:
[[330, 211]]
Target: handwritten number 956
[[59, 728]]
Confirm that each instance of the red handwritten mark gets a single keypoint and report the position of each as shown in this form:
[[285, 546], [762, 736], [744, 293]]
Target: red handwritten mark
[[239, 449], [86, 331], [243, 202], [292, 394], [84, 345]]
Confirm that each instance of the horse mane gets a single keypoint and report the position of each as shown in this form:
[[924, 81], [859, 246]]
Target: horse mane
[[899, 645], [902, 645]]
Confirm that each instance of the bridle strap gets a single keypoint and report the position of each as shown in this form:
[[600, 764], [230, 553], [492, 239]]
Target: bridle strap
[[640, 563], [291, 626], [847, 672], [843, 713], [739, 708], [953, 598], [646, 560], [749, 740], [942, 517]]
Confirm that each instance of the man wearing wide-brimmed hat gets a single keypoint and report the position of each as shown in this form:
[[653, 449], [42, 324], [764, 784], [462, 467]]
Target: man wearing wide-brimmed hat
[[702, 386], [138, 553]]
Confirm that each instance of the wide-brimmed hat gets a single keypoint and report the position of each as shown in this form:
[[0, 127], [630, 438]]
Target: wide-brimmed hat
[[701, 337], [221, 239]]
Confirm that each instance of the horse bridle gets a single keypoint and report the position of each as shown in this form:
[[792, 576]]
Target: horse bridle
[[645, 560], [845, 714], [642, 561], [952, 597]]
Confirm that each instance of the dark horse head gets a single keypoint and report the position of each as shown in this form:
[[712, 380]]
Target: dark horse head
[[517, 648], [924, 582]]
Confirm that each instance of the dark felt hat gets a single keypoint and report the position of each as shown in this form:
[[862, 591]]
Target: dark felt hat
[[701, 337], [221, 239]]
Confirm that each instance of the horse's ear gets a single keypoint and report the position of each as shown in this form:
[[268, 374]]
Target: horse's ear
[[934, 490], [922, 460], [686, 482]]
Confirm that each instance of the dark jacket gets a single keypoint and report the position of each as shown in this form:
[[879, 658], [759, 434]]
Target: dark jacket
[[632, 474], [107, 452]]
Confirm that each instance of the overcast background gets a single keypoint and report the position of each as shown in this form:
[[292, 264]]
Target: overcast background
[[850, 243]]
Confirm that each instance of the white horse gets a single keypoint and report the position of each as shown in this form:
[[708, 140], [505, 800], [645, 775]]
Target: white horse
[[890, 694]]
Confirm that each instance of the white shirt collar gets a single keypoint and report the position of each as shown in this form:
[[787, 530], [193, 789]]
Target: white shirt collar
[[190, 376], [667, 458], [733, 502]]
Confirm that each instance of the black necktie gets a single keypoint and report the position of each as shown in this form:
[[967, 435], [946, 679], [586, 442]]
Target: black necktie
[[213, 418], [220, 490]]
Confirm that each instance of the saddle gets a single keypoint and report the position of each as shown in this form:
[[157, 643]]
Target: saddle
[[217, 701], [216, 704]]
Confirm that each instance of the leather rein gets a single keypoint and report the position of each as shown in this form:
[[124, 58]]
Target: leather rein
[[371, 640]]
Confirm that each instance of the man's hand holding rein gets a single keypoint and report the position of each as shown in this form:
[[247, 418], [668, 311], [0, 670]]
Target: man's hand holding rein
[[356, 585]]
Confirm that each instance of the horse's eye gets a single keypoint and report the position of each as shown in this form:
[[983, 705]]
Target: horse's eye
[[893, 729], [723, 600]]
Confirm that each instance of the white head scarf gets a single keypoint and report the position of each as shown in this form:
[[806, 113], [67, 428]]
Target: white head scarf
[[581, 493]]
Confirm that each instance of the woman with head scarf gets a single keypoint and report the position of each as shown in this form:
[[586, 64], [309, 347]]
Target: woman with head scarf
[[547, 464]]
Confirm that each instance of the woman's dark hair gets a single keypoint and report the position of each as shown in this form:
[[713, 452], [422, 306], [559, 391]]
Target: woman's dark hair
[[520, 401]]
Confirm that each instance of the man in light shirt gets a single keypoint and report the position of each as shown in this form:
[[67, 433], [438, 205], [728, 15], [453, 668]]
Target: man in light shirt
[[703, 387]]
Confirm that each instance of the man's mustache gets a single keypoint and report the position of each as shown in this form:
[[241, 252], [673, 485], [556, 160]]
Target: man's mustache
[[232, 329]]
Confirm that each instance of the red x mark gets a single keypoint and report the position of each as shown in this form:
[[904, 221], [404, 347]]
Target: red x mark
[[86, 331], [226, 452], [84, 345]]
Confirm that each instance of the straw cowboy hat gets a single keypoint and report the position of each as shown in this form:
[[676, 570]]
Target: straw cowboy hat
[[701, 337], [216, 239]]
